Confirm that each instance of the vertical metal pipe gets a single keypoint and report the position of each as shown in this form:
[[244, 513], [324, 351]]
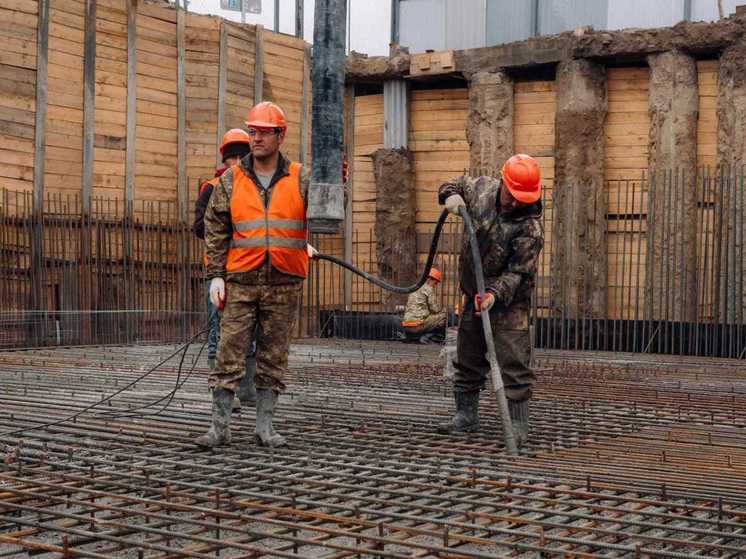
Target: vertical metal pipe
[[326, 200], [716, 230], [395, 18], [649, 263], [299, 18], [535, 19], [700, 209], [277, 16], [350, 194], [638, 252]]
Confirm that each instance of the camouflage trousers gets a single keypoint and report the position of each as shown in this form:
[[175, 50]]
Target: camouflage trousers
[[433, 322], [273, 308], [512, 345]]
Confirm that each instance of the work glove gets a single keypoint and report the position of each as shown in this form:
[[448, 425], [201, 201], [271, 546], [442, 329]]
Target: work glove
[[486, 305], [312, 252], [217, 292], [454, 202]]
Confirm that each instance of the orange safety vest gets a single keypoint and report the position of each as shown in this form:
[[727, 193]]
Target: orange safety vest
[[214, 182], [279, 229]]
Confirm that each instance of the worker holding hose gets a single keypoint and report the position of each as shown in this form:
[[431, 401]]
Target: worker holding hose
[[255, 232], [506, 213]]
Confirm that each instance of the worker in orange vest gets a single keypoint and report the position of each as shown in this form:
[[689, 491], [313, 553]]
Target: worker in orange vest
[[255, 232], [506, 213], [233, 146]]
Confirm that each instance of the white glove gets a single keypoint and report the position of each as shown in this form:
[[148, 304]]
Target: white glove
[[217, 292], [454, 202], [312, 252]]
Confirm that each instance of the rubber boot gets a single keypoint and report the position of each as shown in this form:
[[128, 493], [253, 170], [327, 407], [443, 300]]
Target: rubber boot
[[466, 419], [247, 389], [519, 418], [266, 400], [219, 433], [211, 363]]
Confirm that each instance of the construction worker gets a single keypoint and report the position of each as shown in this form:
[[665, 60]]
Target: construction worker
[[233, 146], [506, 214], [423, 314], [255, 231]]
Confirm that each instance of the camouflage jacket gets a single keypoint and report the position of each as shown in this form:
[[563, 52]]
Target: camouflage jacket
[[421, 304], [509, 243], [219, 228]]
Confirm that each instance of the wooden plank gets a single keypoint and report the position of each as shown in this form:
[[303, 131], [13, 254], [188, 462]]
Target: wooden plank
[[42, 58], [305, 90], [259, 65], [129, 181], [222, 81], [89, 99], [182, 196]]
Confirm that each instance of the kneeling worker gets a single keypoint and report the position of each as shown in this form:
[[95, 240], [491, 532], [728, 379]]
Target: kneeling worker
[[423, 314], [506, 214]]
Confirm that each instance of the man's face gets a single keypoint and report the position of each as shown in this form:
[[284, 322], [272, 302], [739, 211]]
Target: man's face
[[433, 283], [265, 142], [231, 161], [507, 202]]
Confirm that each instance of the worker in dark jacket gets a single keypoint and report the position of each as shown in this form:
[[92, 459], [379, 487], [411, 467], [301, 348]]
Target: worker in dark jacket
[[506, 214], [234, 146]]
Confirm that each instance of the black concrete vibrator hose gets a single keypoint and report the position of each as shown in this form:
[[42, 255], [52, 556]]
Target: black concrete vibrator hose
[[495, 374]]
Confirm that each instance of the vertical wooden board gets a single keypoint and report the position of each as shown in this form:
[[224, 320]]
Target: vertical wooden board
[[707, 72], [283, 83], [17, 127], [110, 115], [202, 72], [65, 101], [534, 134], [627, 127], [626, 148], [156, 168], [239, 93], [437, 139], [368, 137]]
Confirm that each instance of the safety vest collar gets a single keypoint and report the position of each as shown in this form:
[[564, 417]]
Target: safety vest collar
[[283, 169]]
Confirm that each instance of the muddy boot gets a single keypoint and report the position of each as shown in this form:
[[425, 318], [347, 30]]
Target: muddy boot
[[466, 419], [266, 400], [519, 418], [246, 392], [219, 433], [211, 363]]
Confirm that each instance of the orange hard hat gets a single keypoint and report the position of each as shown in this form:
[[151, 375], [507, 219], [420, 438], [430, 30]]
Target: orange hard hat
[[522, 177], [266, 115], [234, 136], [434, 274]]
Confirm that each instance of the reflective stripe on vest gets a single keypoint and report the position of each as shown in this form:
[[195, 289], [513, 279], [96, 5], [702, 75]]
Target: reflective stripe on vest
[[279, 229]]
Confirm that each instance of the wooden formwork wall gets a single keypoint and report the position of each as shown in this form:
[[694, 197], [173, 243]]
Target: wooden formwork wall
[[207, 42], [534, 113], [437, 139], [626, 149], [17, 92]]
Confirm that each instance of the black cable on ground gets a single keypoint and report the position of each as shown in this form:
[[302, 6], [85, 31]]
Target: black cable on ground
[[109, 397]]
